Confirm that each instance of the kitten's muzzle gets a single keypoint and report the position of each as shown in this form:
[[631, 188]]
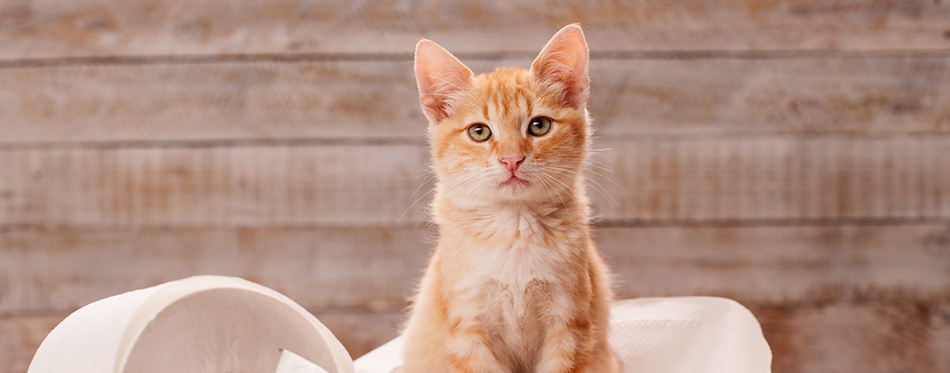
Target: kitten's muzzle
[[512, 161]]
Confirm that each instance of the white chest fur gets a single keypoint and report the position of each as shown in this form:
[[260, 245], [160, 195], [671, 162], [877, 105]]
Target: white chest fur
[[511, 274], [512, 267], [515, 247], [510, 293]]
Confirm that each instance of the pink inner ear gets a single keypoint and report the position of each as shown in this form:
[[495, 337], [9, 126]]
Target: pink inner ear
[[439, 76], [563, 63]]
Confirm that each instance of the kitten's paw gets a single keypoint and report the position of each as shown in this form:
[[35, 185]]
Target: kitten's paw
[[609, 363]]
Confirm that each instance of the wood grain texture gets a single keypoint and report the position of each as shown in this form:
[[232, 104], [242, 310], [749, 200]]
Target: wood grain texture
[[868, 338], [209, 102], [377, 268], [782, 265], [318, 268], [20, 336], [774, 179], [333, 185], [360, 100], [362, 332], [33, 29], [647, 181]]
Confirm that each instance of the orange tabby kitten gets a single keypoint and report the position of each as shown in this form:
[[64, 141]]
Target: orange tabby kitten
[[515, 283]]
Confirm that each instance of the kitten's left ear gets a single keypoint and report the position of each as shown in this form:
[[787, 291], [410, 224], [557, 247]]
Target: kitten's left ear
[[563, 64], [440, 77]]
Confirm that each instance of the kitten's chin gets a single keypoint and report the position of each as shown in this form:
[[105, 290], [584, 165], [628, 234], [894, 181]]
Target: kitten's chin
[[514, 182], [515, 189]]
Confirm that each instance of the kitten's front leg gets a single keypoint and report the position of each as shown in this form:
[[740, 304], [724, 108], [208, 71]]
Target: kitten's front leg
[[468, 349], [566, 348]]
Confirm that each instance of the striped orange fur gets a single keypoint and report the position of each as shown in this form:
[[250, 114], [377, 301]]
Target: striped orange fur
[[515, 283]]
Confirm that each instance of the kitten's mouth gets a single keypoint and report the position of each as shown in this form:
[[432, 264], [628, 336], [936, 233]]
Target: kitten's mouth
[[514, 180]]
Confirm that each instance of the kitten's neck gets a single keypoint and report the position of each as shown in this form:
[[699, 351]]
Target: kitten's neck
[[513, 220]]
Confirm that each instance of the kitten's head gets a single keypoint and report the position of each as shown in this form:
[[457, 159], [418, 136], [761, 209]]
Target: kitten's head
[[513, 134]]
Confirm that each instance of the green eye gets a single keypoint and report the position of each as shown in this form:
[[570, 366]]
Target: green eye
[[479, 132], [539, 126]]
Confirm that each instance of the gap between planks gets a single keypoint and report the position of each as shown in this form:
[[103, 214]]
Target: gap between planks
[[598, 223], [599, 142], [408, 57]]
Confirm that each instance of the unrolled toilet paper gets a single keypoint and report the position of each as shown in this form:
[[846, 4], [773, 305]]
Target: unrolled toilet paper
[[199, 324], [293, 363]]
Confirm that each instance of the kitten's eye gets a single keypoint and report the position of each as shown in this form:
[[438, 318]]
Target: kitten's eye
[[479, 132], [539, 126]]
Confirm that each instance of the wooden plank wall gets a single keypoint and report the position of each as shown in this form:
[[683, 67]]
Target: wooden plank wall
[[793, 155]]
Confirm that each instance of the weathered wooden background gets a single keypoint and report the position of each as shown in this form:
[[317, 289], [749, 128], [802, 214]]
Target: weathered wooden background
[[793, 155]]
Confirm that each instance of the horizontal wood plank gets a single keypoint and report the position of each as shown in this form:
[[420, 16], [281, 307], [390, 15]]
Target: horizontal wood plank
[[92, 28], [899, 337], [318, 268], [289, 101], [334, 185], [377, 268], [649, 181], [870, 338], [773, 179], [782, 265]]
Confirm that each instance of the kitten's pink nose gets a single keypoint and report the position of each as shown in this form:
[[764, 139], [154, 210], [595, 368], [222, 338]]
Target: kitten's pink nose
[[512, 161]]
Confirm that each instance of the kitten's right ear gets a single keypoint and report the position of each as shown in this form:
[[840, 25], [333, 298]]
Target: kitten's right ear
[[439, 76], [563, 63]]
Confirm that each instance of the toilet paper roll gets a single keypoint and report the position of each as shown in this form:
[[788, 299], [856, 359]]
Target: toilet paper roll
[[199, 324]]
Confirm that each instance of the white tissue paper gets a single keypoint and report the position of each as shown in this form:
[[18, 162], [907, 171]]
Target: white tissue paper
[[293, 363], [659, 335], [226, 324], [199, 324]]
